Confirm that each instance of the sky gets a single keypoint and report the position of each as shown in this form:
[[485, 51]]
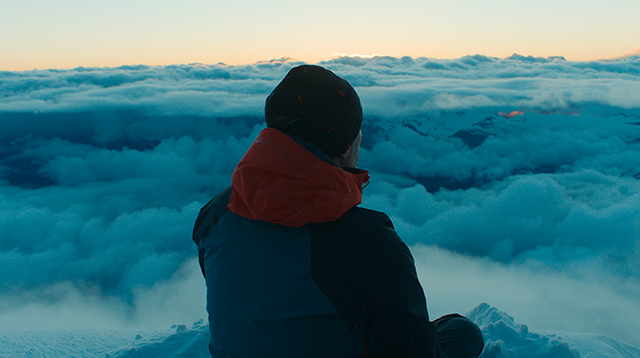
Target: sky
[[40, 34], [514, 182]]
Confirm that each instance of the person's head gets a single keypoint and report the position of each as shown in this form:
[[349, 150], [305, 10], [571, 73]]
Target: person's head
[[314, 104]]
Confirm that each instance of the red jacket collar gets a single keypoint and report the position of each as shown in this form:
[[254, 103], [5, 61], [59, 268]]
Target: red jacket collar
[[279, 181]]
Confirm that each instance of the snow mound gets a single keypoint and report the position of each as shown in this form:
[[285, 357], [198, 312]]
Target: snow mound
[[503, 338], [597, 345], [181, 343]]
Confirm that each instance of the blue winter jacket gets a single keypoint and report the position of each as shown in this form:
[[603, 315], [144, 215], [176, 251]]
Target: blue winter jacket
[[294, 269]]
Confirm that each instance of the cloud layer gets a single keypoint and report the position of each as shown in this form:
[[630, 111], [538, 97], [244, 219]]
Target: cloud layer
[[524, 164]]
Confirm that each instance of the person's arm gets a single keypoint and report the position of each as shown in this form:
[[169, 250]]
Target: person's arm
[[368, 273], [396, 305], [208, 218]]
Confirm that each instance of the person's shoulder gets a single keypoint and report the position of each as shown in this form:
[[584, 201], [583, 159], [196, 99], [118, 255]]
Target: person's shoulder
[[365, 240], [210, 214], [367, 218], [361, 227], [219, 202]]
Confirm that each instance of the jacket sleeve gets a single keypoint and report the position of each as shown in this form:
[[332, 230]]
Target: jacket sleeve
[[396, 306], [208, 218], [368, 273]]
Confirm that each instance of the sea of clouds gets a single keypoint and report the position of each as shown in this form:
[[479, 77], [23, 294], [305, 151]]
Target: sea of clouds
[[515, 181]]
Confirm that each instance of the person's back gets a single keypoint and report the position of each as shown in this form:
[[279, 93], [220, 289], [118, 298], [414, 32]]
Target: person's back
[[293, 267]]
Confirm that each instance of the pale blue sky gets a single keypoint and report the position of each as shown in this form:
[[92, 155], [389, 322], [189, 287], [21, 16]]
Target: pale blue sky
[[69, 33]]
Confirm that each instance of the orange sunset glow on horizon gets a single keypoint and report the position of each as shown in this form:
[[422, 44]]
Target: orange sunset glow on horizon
[[42, 35]]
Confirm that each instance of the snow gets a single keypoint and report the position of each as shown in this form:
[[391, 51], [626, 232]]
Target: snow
[[504, 338], [177, 341], [597, 345]]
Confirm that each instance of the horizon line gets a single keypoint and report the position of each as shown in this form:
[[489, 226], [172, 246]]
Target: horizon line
[[337, 55]]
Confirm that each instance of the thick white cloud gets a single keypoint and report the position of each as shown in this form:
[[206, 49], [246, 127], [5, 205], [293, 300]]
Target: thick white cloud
[[556, 219], [575, 299], [179, 299], [522, 171]]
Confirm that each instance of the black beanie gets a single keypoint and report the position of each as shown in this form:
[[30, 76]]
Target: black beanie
[[314, 104]]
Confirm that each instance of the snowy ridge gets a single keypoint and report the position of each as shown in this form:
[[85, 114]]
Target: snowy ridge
[[597, 345], [181, 342], [504, 338]]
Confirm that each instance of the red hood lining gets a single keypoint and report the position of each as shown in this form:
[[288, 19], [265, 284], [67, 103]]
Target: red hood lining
[[279, 181]]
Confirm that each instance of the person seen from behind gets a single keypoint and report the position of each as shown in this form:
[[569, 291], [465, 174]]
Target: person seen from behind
[[293, 267]]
